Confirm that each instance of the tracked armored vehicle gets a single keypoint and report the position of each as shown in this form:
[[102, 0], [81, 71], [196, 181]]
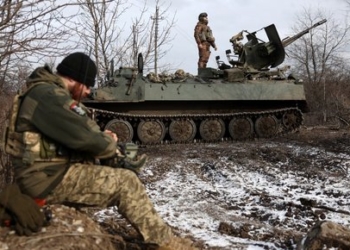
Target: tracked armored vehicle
[[249, 97]]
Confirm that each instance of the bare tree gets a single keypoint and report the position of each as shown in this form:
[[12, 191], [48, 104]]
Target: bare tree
[[318, 57], [99, 31], [31, 30], [104, 31], [149, 30]]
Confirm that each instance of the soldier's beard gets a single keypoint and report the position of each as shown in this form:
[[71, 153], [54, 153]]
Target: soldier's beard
[[205, 21], [77, 93]]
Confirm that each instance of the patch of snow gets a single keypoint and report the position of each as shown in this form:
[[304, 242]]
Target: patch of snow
[[197, 199]]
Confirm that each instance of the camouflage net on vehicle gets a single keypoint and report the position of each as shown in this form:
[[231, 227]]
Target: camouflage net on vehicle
[[179, 76]]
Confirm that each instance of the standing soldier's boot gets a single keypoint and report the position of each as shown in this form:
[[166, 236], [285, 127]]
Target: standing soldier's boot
[[176, 243]]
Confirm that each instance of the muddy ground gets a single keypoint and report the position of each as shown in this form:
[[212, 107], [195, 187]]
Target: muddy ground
[[261, 194], [301, 178], [315, 156]]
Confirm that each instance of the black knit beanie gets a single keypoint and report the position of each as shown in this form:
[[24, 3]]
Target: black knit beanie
[[79, 67]]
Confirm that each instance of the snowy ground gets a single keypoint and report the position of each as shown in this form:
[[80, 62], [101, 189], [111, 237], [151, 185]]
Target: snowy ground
[[263, 194]]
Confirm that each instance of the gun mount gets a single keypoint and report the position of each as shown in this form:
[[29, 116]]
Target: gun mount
[[257, 55], [237, 101]]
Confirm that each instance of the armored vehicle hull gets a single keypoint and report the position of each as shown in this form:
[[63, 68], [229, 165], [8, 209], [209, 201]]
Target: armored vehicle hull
[[189, 111], [240, 101]]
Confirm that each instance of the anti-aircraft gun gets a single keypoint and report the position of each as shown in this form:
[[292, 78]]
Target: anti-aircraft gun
[[241, 100], [255, 58]]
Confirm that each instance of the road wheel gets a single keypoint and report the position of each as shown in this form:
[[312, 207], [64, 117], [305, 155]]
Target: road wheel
[[212, 129], [151, 132], [182, 130], [266, 126], [241, 128], [122, 128]]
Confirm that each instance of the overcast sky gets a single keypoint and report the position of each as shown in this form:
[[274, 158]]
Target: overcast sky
[[227, 18]]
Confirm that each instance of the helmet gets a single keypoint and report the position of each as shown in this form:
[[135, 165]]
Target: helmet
[[201, 15]]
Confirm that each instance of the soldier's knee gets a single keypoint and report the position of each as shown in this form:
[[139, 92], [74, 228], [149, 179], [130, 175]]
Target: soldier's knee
[[128, 174], [129, 179]]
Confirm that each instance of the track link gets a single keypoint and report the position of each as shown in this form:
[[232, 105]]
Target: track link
[[198, 128]]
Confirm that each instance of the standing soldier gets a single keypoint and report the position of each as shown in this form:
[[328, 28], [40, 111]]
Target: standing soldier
[[204, 39]]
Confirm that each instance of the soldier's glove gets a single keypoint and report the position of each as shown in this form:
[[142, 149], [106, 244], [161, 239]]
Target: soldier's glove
[[134, 164], [25, 213], [126, 157]]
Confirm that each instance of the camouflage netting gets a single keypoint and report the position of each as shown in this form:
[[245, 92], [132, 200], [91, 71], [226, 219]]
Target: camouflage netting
[[179, 76], [69, 229]]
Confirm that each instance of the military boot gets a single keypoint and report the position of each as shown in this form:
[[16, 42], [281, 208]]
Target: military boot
[[176, 243]]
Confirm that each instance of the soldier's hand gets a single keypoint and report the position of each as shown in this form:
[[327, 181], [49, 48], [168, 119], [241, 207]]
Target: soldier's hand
[[111, 134], [135, 164], [121, 161], [126, 157]]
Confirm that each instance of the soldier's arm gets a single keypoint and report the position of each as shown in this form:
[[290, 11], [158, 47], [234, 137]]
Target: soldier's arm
[[57, 115], [211, 39]]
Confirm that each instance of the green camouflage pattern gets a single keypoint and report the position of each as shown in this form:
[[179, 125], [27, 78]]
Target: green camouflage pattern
[[49, 111], [104, 186], [51, 132]]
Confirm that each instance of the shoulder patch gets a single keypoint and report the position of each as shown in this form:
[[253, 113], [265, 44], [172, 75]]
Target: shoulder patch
[[77, 109]]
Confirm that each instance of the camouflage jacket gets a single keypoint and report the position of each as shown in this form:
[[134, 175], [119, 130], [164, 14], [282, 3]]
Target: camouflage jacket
[[65, 130], [203, 33]]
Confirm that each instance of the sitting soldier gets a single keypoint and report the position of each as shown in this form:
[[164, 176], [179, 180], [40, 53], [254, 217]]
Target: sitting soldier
[[54, 146]]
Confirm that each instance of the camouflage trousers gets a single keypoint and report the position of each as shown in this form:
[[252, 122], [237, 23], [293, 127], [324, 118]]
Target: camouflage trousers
[[105, 186], [204, 54]]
